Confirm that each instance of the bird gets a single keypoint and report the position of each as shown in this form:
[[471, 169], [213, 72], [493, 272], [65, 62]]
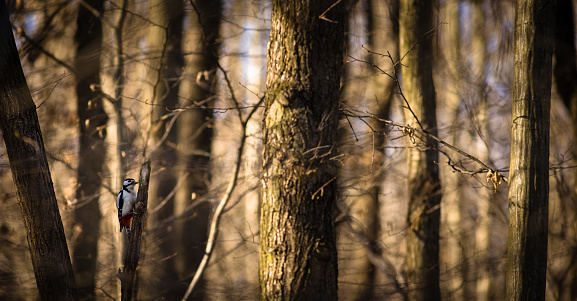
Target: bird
[[125, 204]]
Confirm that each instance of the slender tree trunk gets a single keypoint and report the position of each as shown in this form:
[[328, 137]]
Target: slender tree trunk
[[298, 257], [424, 185], [480, 262], [164, 40], [113, 84], [359, 173], [453, 257], [31, 175], [529, 169], [197, 90], [244, 66], [92, 124]]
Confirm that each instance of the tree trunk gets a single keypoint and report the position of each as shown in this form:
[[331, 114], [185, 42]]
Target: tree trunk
[[298, 257], [195, 134], [479, 257], [27, 155], [423, 172], [165, 56], [92, 149], [117, 142], [529, 169]]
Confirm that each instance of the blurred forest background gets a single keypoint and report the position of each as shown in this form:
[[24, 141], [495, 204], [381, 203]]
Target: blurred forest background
[[176, 81]]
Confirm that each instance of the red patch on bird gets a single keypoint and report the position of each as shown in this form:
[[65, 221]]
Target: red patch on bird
[[126, 221]]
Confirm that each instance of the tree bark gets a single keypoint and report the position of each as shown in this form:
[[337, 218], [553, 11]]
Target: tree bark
[[31, 175], [423, 172], [128, 275], [529, 169], [92, 150], [298, 257]]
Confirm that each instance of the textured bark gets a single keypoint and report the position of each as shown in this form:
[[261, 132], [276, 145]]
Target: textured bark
[[128, 275], [92, 149], [298, 258], [423, 171], [27, 155], [195, 133], [529, 169]]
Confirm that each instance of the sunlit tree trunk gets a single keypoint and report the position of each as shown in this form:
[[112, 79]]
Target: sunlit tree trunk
[[358, 181], [31, 175], [424, 185], [479, 257], [92, 124], [197, 91], [244, 62], [529, 169], [164, 38], [113, 84], [452, 261], [298, 257]]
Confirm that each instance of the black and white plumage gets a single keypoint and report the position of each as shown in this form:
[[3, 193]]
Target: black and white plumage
[[125, 204]]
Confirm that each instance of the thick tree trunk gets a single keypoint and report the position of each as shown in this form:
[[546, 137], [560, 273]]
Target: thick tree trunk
[[298, 257], [27, 155], [529, 171], [424, 185], [92, 152]]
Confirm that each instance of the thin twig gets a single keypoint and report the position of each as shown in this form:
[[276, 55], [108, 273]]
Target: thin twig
[[222, 204]]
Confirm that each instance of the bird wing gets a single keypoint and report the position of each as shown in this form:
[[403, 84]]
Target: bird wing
[[119, 204]]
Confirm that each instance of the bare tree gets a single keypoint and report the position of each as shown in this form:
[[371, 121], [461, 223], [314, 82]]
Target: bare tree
[[197, 91], [164, 40], [529, 171], [298, 258], [416, 28], [92, 149], [31, 175]]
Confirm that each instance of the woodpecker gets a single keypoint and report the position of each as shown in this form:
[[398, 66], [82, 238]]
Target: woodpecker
[[125, 204]]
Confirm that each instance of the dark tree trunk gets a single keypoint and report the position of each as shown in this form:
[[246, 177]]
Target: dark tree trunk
[[529, 171], [565, 72], [27, 155], [298, 258], [424, 186], [92, 124]]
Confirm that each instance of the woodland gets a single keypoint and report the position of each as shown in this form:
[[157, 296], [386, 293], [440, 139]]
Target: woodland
[[289, 150]]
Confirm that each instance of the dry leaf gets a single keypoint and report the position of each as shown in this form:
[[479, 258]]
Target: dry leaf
[[494, 177]]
